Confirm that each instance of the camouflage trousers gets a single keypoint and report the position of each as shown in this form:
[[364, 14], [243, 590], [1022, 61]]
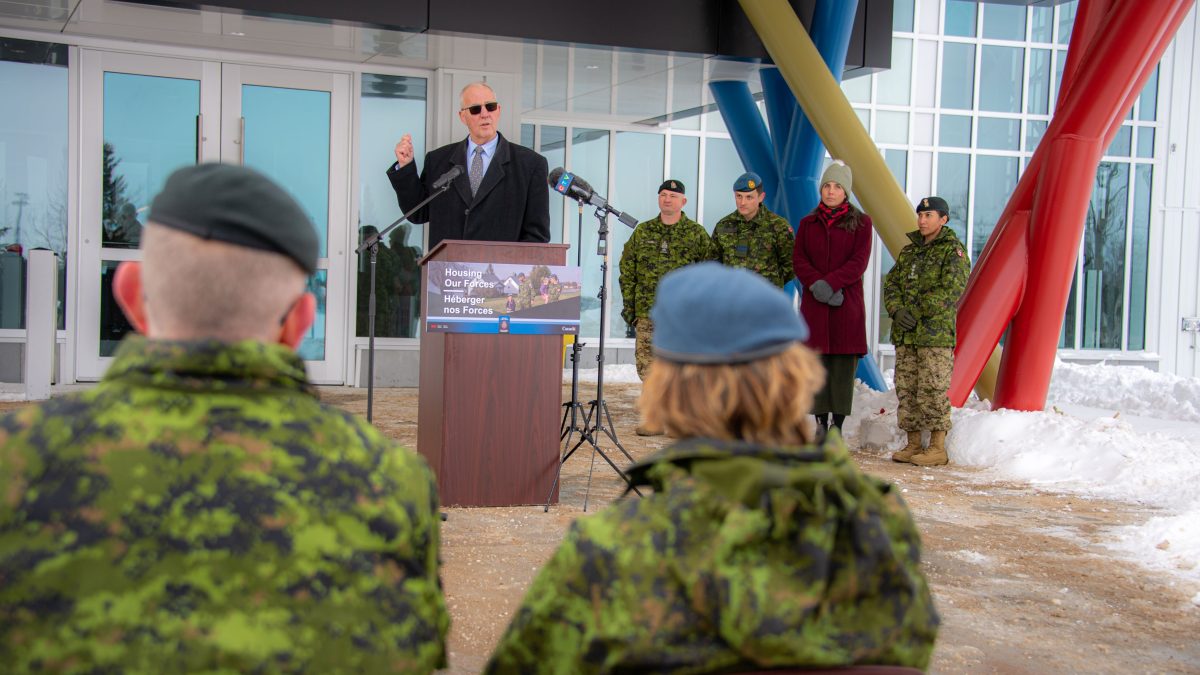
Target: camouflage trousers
[[642, 353], [922, 383]]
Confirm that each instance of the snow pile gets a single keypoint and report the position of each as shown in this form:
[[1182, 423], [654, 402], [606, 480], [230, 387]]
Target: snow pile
[[1132, 390]]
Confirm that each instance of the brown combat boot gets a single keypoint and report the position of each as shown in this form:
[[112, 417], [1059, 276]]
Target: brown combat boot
[[906, 453], [935, 454], [643, 430]]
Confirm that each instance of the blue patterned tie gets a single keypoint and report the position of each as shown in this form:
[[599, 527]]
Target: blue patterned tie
[[476, 173]]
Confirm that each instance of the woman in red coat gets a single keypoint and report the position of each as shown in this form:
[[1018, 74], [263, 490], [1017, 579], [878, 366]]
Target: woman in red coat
[[833, 244]]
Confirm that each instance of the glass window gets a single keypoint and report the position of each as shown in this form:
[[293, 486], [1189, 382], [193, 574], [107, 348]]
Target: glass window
[[960, 18], [685, 167], [592, 83], [1139, 256], [897, 162], [33, 172], [1121, 142], [894, 84], [527, 135], [857, 89], [1002, 68], [1148, 101], [589, 157], [891, 127], [687, 91], [995, 180], [1066, 21], [1066, 338], [902, 16], [1034, 130], [553, 78], [1042, 24], [312, 347], [923, 129], [390, 105], [925, 74], [722, 166], [886, 263], [554, 149], [953, 185], [1060, 61], [1145, 142], [958, 75], [864, 117], [1003, 22], [113, 324], [1038, 102], [955, 131], [642, 85], [929, 15], [529, 76], [1104, 258], [999, 133], [639, 165]]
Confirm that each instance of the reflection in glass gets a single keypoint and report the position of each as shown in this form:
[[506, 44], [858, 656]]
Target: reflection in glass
[[958, 75], [1139, 256], [1145, 142], [1060, 61], [953, 185], [995, 180], [902, 16], [1104, 258], [149, 132], [960, 18], [1066, 21], [1148, 100], [33, 173], [553, 76], [1034, 130], [997, 133], [1002, 69], [592, 81], [1038, 102], [639, 164], [722, 166], [1042, 25], [529, 52], [1003, 22], [1066, 338], [589, 157], [687, 90], [897, 162], [642, 88], [527, 135], [685, 166], [397, 284], [554, 149], [894, 84], [1122, 142], [955, 131], [113, 324], [312, 348], [287, 138]]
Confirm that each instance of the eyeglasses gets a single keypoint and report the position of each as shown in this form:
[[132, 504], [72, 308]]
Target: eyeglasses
[[478, 108]]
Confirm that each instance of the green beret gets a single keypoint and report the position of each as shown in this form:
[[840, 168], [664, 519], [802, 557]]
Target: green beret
[[239, 206], [934, 204], [672, 185]]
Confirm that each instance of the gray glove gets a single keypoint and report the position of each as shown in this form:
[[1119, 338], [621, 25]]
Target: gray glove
[[904, 319], [836, 300], [822, 291]]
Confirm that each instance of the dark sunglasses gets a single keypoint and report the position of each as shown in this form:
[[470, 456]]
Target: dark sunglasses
[[476, 109]]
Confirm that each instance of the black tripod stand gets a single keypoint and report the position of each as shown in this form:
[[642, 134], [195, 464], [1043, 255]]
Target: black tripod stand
[[372, 243], [597, 421], [573, 409]]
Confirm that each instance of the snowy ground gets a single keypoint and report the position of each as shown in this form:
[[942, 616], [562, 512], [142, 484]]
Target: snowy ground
[[1122, 433]]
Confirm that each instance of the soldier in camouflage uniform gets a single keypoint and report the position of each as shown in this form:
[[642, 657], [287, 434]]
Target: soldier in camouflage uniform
[[752, 237], [920, 294], [555, 288], [758, 549], [657, 246], [200, 509], [524, 292]]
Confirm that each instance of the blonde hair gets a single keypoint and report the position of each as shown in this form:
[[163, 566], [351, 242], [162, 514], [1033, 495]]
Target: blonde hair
[[766, 401], [199, 288]]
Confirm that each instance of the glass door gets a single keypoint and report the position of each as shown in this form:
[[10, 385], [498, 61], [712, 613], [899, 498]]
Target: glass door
[[151, 116], [294, 127]]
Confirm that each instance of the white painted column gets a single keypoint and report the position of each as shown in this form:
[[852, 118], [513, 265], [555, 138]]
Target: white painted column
[[41, 319]]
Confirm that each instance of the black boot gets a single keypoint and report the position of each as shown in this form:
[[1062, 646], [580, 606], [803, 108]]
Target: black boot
[[822, 426], [837, 421]]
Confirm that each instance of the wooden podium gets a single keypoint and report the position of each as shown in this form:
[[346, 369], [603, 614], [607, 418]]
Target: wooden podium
[[489, 405]]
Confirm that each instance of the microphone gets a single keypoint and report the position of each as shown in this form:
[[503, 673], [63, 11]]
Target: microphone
[[569, 185], [454, 172]]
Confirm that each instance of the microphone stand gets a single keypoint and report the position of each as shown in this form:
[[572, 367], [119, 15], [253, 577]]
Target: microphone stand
[[372, 243], [597, 414], [573, 408]]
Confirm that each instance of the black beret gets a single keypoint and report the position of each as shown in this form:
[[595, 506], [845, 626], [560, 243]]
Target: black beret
[[240, 206], [934, 204], [672, 185]]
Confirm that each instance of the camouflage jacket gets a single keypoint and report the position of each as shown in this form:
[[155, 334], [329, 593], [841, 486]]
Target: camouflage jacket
[[201, 510], [743, 558], [928, 279], [525, 294], [653, 250], [763, 244]]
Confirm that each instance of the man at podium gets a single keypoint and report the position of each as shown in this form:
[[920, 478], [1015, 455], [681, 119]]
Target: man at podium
[[500, 193]]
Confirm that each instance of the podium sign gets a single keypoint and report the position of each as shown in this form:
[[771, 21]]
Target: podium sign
[[489, 403], [464, 297]]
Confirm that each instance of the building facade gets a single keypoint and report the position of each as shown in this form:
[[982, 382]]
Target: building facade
[[107, 98]]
